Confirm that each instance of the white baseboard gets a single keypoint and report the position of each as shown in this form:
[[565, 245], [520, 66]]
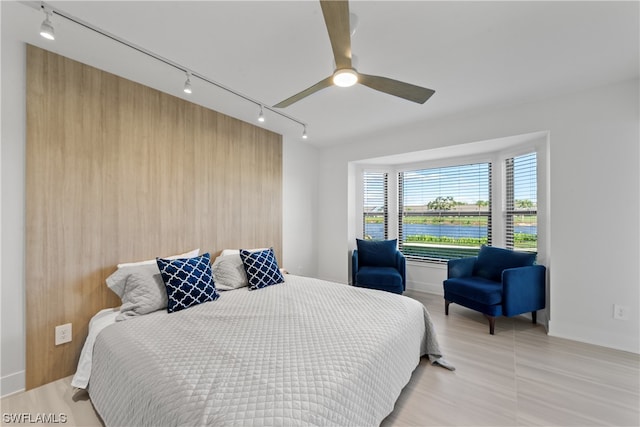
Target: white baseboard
[[597, 336], [12, 384], [430, 288], [543, 319]]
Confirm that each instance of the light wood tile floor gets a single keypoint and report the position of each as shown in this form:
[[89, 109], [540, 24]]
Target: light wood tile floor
[[518, 377]]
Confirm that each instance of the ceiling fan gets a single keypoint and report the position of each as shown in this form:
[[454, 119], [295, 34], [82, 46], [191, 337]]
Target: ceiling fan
[[336, 18]]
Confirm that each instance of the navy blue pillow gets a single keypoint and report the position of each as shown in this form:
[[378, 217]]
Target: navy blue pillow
[[189, 281], [492, 261], [377, 253], [261, 268]]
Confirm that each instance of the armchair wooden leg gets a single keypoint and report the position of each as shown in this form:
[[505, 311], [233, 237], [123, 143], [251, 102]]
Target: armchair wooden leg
[[446, 307], [492, 323], [534, 317]]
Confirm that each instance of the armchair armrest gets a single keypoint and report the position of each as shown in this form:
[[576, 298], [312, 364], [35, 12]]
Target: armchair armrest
[[523, 289], [354, 266], [401, 266], [461, 267]]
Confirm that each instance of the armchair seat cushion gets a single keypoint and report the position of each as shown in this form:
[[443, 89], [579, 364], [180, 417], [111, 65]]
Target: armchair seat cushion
[[477, 289], [384, 278]]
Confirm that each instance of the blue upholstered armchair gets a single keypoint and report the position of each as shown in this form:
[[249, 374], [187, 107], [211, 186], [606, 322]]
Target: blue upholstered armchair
[[497, 282], [378, 264]]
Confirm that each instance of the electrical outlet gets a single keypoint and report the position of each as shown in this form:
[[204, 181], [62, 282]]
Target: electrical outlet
[[63, 333], [620, 312]]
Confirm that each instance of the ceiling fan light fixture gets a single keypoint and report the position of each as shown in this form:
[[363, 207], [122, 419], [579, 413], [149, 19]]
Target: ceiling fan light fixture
[[345, 77]]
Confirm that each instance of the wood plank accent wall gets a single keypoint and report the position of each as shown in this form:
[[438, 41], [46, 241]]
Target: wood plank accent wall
[[119, 172]]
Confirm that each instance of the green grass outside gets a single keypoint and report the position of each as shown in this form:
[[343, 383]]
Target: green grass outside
[[520, 240], [454, 220], [446, 250]]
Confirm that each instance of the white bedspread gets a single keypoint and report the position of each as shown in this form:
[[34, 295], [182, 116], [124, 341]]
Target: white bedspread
[[306, 352], [98, 322]]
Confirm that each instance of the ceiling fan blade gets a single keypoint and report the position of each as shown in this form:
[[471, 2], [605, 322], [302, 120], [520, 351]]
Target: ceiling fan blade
[[308, 91], [336, 18], [397, 88]]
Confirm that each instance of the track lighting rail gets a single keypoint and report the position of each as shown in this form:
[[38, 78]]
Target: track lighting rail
[[50, 10]]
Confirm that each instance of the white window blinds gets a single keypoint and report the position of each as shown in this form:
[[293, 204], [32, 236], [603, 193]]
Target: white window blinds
[[375, 206], [445, 212], [521, 216]]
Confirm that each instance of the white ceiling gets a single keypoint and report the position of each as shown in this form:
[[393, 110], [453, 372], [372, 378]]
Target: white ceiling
[[473, 54]]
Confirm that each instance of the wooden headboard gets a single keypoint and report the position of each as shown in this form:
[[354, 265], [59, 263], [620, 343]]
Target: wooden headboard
[[120, 172]]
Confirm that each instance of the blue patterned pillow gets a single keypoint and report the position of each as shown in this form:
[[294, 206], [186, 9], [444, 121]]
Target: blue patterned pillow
[[189, 281], [261, 268]]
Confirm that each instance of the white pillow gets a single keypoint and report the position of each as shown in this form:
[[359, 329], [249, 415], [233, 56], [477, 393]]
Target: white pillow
[[237, 251], [117, 281], [190, 254], [228, 272]]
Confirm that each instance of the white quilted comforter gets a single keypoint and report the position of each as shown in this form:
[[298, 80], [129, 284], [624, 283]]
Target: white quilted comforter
[[306, 352]]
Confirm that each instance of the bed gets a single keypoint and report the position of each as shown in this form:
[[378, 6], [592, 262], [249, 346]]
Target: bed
[[303, 352]]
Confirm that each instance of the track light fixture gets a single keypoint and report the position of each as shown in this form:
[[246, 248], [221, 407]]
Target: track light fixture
[[46, 28], [187, 83], [304, 133], [261, 115]]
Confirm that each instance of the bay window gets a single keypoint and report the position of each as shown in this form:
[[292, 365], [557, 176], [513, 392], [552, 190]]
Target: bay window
[[448, 208]]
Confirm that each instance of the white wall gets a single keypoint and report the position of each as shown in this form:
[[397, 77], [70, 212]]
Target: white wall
[[299, 210], [12, 149], [594, 160]]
